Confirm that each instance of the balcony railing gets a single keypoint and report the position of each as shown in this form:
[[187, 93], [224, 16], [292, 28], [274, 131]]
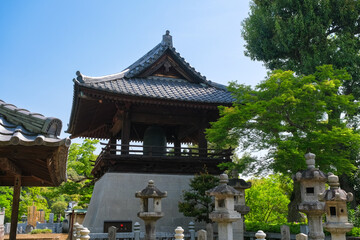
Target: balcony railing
[[168, 159], [167, 151]]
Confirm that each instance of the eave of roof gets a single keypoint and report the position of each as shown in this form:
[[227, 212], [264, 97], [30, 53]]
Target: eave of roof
[[40, 154]]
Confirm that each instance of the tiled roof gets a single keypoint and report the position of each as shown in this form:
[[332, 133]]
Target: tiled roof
[[164, 88], [128, 81], [21, 127]]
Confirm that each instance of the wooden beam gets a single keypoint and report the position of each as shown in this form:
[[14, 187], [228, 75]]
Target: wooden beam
[[7, 165], [184, 132], [172, 119], [42, 181], [125, 132], [15, 207]]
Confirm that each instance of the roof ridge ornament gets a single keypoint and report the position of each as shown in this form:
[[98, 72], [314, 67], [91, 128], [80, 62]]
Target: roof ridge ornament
[[167, 39]]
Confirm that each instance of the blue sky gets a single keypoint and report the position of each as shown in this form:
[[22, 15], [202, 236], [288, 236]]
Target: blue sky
[[44, 42]]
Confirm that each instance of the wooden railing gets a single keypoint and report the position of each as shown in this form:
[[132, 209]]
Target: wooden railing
[[154, 159], [167, 151]]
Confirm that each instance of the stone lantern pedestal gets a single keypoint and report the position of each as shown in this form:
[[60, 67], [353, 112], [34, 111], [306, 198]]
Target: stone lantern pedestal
[[336, 211], [150, 208], [240, 185], [312, 182], [224, 213]]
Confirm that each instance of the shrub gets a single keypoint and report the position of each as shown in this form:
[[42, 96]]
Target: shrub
[[36, 231], [355, 232], [354, 216]]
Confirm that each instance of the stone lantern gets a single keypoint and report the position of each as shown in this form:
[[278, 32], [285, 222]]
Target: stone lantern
[[312, 182], [224, 213], [240, 185], [336, 211], [150, 208]]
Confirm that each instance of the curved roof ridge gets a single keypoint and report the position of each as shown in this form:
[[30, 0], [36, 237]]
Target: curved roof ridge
[[32, 122], [146, 60], [187, 65], [154, 54], [83, 78], [217, 85]]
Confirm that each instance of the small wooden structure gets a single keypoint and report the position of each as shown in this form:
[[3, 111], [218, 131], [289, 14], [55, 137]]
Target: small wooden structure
[[34, 216], [31, 154]]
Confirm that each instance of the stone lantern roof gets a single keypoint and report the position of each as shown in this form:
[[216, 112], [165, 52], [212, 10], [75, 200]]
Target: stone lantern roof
[[335, 193], [239, 183], [223, 189], [151, 191]]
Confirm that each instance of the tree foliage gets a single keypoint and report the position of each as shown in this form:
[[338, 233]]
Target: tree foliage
[[289, 115], [299, 35], [80, 185], [6, 197], [268, 199], [195, 203]]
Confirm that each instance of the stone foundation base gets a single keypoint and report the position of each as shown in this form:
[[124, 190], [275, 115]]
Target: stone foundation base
[[114, 199]]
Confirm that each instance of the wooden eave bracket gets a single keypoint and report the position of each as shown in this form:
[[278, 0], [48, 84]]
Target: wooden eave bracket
[[10, 166]]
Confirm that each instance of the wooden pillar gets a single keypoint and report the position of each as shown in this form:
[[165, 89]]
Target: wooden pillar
[[125, 133], [112, 143], [15, 207], [202, 143], [177, 145]]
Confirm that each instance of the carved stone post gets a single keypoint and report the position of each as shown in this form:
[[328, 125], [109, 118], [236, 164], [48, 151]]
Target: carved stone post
[[84, 234], [192, 230], [136, 231], [179, 233], [260, 235]]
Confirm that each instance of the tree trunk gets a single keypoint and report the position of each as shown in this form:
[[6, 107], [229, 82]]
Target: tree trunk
[[348, 186], [293, 207]]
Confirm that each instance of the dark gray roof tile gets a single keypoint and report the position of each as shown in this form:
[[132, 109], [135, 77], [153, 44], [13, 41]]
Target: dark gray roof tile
[[164, 88]]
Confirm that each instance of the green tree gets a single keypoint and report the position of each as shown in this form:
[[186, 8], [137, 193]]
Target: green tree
[[195, 203], [289, 115], [6, 197], [80, 183], [268, 199], [299, 35], [59, 207]]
